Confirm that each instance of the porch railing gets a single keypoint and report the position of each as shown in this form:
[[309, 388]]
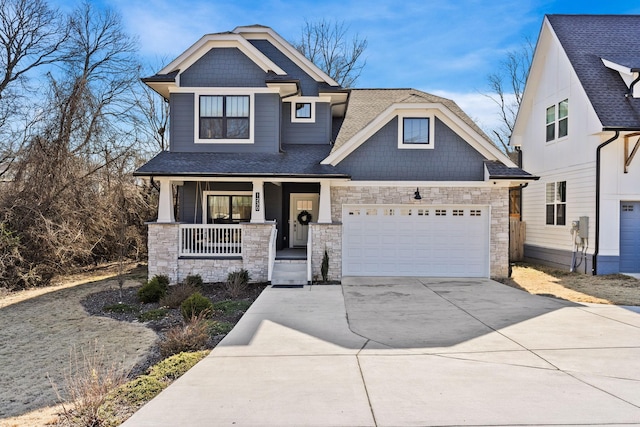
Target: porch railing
[[210, 240]]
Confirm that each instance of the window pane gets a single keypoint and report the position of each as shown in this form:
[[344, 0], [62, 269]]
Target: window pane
[[415, 131], [241, 208], [551, 132], [561, 217], [210, 106], [563, 109], [562, 192], [237, 106], [210, 128], [218, 211], [303, 110], [550, 214], [551, 114], [237, 128], [551, 192], [563, 127]]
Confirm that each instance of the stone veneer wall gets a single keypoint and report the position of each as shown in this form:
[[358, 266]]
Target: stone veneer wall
[[255, 250], [163, 250], [163, 255], [496, 198], [327, 236]]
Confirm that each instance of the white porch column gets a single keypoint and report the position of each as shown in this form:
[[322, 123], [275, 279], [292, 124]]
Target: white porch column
[[324, 210], [165, 202], [257, 205]]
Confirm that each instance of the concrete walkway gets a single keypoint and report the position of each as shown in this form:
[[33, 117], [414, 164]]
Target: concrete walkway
[[412, 352]]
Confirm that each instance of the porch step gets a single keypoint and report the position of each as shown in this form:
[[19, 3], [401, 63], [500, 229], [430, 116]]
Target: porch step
[[289, 272]]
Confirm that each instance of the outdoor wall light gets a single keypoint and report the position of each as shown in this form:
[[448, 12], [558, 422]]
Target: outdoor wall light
[[417, 195]]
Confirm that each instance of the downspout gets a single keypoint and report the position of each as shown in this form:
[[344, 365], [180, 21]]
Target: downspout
[[633, 83], [594, 263]]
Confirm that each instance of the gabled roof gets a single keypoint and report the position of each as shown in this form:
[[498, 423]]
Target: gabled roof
[[240, 38], [369, 109], [587, 40]]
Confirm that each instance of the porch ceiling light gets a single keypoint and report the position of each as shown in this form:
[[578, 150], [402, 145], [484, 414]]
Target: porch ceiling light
[[417, 195]]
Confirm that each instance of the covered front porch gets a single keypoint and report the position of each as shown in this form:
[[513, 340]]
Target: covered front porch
[[215, 225]]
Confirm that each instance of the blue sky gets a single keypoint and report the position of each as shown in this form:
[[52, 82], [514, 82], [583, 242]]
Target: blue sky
[[445, 47]]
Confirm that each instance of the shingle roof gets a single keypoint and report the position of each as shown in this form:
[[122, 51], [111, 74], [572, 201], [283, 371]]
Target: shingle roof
[[588, 38], [296, 160], [498, 170], [367, 104]]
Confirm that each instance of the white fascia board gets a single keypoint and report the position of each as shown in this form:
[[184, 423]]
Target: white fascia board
[[266, 33], [472, 137], [209, 41]]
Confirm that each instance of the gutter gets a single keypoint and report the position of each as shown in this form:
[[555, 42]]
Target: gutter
[[594, 263]]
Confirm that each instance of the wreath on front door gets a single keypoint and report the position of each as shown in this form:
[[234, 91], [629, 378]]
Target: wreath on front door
[[304, 218]]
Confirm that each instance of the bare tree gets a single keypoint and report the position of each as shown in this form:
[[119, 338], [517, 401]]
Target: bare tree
[[32, 35], [506, 87], [153, 119], [327, 44], [66, 201]]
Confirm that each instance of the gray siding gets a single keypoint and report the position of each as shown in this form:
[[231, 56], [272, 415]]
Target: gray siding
[[191, 197], [307, 133], [267, 126], [308, 85], [223, 67], [181, 121], [562, 259], [379, 158]]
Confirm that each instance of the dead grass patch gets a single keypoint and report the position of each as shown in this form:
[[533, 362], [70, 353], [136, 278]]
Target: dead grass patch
[[616, 289]]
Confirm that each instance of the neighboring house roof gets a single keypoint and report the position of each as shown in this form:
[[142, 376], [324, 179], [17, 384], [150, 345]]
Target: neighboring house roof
[[587, 40], [295, 160]]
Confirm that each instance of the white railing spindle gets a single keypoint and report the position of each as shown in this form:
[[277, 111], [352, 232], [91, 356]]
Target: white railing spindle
[[210, 240]]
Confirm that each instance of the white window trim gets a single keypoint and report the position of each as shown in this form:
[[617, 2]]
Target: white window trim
[[556, 123], [222, 92], [417, 115], [306, 100], [555, 204], [206, 194]]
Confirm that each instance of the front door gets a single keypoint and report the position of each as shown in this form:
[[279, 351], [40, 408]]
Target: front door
[[304, 208]]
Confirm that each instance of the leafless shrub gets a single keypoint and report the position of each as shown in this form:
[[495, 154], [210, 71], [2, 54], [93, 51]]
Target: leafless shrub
[[192, 336], [177, 294], [237, 282], [87, 381]]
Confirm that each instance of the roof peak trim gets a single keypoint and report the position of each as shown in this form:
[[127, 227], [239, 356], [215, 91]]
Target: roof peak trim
[[221, 40]]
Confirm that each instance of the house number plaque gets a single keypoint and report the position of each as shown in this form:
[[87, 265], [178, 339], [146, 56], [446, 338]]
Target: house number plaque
[[257, 202]]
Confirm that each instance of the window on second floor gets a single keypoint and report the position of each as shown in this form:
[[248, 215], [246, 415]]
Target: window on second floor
[[556, 203], [224, 117], [557, 120], [415, 131], [303, 110]]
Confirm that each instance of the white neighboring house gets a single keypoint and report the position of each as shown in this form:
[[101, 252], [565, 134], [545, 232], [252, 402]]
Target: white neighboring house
[[579, 130]]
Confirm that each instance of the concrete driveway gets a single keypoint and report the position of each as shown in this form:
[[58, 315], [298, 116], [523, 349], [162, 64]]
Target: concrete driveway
[[413, 352]]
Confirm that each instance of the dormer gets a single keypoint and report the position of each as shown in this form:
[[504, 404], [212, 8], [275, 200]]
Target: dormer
[[629, 71]]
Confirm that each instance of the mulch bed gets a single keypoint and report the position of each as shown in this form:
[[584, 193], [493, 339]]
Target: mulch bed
[[95, 305]]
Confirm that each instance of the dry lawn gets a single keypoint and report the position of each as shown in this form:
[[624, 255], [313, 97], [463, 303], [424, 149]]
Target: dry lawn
[[38, 330], [615, 289]]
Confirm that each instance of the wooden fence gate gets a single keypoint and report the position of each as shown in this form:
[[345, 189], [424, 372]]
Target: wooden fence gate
[[517, 231]]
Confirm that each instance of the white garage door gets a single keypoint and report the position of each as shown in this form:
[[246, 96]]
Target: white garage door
[[439, 241]]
